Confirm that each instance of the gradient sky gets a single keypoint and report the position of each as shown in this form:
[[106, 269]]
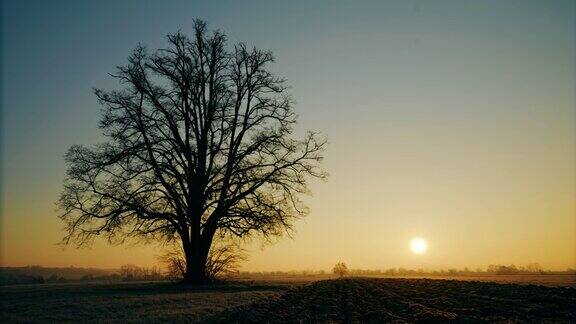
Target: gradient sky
[[449, 120]]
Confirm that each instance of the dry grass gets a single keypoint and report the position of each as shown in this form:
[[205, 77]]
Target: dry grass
[[126, 302]]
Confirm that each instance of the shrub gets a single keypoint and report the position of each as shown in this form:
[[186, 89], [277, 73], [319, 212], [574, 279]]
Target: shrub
[[340, 269]]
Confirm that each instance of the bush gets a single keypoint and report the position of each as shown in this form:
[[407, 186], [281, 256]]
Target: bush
[[340, 269]]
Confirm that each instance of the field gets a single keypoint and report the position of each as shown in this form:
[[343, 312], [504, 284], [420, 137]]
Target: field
[[410, 300], [294, 299], [552, 280], [121, 302]]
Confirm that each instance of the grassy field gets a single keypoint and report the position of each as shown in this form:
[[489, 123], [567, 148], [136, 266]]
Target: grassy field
[[292, 299], [125, 302]]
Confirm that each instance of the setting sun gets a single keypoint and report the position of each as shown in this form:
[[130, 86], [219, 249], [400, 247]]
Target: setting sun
[[418, 245]]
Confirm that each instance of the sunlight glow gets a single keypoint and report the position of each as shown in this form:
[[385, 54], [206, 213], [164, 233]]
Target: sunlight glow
[[418, 245]]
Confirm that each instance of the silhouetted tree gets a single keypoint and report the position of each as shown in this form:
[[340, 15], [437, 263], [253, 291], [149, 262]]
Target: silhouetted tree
[[340, 269], [199, 141]]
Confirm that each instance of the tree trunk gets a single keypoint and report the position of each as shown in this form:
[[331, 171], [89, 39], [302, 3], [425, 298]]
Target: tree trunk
[[196, 252], [196, 256], [196, 266]]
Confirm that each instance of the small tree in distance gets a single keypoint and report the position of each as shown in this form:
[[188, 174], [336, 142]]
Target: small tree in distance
[[340, 269]]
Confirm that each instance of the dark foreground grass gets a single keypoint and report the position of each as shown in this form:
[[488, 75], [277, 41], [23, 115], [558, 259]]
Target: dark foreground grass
[[350, 300], [125, 302]]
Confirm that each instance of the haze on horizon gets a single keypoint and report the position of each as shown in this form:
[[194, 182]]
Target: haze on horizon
[[452, 121]]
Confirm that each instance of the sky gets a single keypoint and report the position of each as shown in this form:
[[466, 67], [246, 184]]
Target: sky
[[452, 121]]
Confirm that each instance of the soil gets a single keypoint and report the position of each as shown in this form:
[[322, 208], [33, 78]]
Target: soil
[[352, 300]]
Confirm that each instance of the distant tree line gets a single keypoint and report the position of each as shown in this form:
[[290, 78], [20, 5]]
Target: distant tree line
[[129, 272], [37, 274], [40, 275], [512, 269], [532, 268]]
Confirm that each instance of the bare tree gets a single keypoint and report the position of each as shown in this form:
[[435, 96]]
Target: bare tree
[[224, 259], [200, 139], [340, 269], [174, 261]]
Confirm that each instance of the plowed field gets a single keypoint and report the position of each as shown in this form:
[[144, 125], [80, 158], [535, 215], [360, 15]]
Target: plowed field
[[410, 300]]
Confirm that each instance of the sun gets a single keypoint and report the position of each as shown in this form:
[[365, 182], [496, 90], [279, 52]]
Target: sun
[[418, 245]]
